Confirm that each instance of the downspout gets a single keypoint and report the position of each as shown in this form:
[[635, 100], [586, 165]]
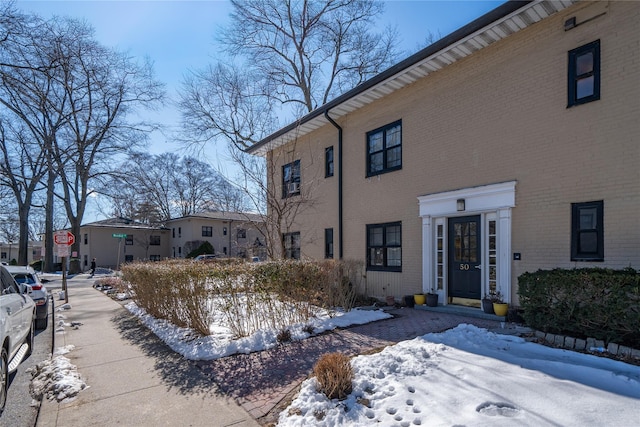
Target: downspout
[[229, 254], [340, 240]]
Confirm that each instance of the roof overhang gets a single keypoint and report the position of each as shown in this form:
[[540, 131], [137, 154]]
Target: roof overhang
[[495, 25]]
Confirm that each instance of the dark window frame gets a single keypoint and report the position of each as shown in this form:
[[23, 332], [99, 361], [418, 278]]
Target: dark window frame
[[328, 243], [288, 243], [128, 241], [292, 179], [154, 240], [328, 162], [580, 234], [241, 233], [207, 231], [384, 247], [384, 151], [575, 76]]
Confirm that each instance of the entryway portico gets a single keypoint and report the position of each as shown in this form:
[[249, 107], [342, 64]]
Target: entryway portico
[[466, 241]]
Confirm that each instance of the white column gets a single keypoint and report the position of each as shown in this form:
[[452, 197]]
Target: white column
[[504, 253], [427, 254]]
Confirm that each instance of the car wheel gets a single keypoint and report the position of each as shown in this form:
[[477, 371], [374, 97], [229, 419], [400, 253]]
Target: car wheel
[[4, 378], [42, 323]]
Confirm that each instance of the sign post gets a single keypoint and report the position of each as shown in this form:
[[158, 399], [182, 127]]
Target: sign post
[[63, 240]]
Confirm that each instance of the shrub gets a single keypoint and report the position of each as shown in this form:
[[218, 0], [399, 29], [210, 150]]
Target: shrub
[[251, 296], [177, 291], [334, 375], [590, 302], [284, 335]]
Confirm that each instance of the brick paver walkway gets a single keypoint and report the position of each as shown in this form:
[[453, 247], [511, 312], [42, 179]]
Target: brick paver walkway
[[260, 381]]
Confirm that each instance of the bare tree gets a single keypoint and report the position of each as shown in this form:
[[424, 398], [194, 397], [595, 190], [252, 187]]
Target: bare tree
[[167, 186], [104, 88], [285, 59], [227, 102], [29, 123], [290, 57], [21, 171], [276, 204]]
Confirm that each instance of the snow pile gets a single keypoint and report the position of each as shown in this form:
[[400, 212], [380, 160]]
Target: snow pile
[[221, 342], [469, 376], [56, 379]]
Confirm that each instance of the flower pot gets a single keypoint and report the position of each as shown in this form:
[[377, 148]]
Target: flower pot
[[487, 306], [409, 301], [432, 300], [500, 309], [419, 299]]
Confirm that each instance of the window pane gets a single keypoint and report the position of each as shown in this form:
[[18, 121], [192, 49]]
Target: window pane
[[394, 257], [286, 172], [376, 162], [588, 218], [393, 236], [375, 236], [375, 142], [588, 243], [584, 87], [393, 136], [394, 157], [377, 256], [473, 255], [584, 64], [296, 170]]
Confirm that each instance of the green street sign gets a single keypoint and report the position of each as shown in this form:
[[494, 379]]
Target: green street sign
[[119, 236]]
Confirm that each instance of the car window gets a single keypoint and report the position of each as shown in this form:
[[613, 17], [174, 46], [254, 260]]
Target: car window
[[24, 278], [8, 284]]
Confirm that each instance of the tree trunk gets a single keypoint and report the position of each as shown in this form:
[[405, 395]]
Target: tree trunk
[[48, 266]]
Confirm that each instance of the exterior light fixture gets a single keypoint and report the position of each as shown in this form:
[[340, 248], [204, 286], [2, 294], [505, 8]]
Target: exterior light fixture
[[460, 205]]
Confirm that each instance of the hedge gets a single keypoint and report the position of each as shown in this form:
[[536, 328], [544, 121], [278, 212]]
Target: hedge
[[589, 302]]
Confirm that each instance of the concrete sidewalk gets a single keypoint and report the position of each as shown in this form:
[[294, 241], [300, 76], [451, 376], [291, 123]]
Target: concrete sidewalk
[[133, 378]]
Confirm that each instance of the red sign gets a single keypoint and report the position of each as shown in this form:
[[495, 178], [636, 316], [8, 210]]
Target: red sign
[[64, 238]]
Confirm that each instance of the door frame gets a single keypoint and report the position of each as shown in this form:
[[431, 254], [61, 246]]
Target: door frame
[[492, 202]]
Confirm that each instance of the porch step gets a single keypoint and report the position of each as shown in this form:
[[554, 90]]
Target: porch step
[[476, 313], [18, 357]]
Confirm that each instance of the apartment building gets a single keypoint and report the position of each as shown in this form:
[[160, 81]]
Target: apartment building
[[508, 146]]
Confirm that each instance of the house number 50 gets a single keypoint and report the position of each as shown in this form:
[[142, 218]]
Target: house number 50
[[464, 267]]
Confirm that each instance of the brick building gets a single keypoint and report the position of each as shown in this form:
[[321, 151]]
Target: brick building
[[510, 145]]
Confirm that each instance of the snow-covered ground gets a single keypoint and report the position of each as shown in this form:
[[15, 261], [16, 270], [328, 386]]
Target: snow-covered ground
[[221, 342], [463, 376], [469, 376], [56, 378]]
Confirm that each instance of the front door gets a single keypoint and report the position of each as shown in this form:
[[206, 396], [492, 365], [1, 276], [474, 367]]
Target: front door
[[465, 276]]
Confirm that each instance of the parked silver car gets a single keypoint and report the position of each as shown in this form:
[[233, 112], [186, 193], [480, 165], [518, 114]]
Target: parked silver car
[[17, 328], [26, 275]]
